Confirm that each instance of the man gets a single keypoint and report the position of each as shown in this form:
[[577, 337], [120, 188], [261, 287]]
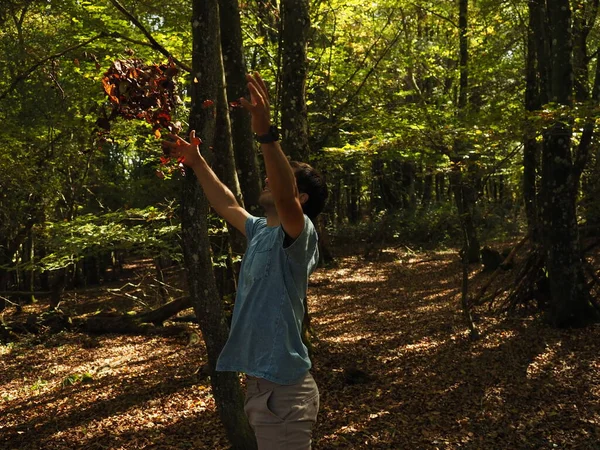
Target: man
[[282, 398]]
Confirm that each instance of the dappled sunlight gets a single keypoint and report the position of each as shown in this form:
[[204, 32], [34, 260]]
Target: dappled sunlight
[[438, 295], [425, 345], [131, 383], [548, 363], [430, 308], [404, 326], [351, 337], [393, 360]]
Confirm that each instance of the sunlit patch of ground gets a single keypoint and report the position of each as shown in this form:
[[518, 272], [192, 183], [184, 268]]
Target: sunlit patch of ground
[[126, 392], [393, 361], [522, 385]]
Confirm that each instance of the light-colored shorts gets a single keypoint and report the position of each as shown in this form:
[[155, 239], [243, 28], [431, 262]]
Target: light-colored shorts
[[282, 416]]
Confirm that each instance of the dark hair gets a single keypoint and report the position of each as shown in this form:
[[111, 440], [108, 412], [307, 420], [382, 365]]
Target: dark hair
[[310, 182]]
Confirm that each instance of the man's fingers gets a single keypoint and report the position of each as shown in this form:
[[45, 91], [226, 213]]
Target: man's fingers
[[175, 139], [246, 104], [261, 84], [255, 94]]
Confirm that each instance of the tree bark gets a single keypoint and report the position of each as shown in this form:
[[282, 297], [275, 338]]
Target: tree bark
[[531, 150], [583, 21], [208, 306], [163, 313], [427, 195], [235, 74], [570, 302], [294, 122], [462, 186]]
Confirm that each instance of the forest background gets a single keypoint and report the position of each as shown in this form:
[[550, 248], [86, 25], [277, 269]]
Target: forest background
[[464, 128]]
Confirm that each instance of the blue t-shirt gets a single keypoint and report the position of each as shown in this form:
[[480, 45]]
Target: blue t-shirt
[[265, 340]]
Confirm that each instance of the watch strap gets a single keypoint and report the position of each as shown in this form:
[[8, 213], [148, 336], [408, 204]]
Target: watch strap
[[271, 136]]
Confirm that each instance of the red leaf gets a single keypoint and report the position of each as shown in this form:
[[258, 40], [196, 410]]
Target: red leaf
[[207, 104]]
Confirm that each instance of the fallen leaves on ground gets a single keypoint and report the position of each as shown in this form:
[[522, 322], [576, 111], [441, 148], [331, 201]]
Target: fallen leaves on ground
[[393, 361]]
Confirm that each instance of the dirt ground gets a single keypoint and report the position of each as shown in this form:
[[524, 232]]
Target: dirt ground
[[393, 361]]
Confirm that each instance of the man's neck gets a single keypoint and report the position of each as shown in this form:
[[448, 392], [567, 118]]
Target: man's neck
[[273, 219]]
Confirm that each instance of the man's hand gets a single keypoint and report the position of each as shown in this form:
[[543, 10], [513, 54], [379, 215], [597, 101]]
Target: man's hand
[[258, 105], [219, 196], [186, 152]]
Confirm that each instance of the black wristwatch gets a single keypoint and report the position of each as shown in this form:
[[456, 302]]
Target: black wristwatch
[[271, 136]]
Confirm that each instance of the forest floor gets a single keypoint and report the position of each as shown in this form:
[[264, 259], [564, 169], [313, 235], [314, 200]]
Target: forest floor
[[394, 363]]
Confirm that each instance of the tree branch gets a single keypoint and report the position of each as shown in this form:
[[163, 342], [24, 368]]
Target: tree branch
[[24, 75], [447, 19], [334, 120], [583, 150], [153, 41]]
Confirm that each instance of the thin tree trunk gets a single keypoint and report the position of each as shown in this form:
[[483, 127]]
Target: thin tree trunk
[[531, 150], [208, 306], [427, 189], [464, 194], [235, 74]]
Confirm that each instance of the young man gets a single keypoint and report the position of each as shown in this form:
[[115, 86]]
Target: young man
[[265, 342]]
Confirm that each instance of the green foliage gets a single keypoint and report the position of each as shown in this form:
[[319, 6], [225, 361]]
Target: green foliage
[[382, 89], [430, 228], [148, 232], [83, 378], [38, 385]]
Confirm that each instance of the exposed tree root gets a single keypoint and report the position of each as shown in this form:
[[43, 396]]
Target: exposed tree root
[[507, 261], [530, 284]]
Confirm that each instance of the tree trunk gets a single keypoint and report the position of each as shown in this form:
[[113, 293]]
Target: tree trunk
[[28, 274], [294, 122], [235, 74], [531, 150], [583, 20], [161, 314], [408, 186], [427, 194], [464, 193], [440, 187], [464, 198], [352, 189], [570, 303], [208, 306]]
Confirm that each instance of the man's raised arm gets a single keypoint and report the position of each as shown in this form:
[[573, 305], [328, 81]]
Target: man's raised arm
[[282, 181], [219, 196]]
